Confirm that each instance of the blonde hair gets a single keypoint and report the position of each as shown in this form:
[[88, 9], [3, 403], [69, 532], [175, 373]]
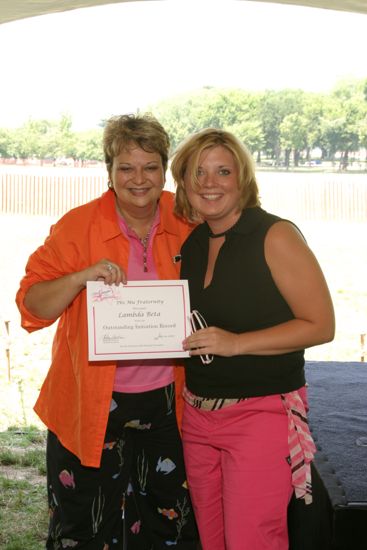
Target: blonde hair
[[143, 130], [190, 150]]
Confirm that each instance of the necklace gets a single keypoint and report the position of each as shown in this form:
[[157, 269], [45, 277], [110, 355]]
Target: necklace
[[145, 242]]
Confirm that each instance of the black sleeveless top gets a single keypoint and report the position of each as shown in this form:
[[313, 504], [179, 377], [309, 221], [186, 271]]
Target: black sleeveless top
[[242, 297]]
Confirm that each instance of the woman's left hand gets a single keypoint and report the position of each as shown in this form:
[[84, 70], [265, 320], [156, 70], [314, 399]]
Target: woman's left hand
[[212, 341]]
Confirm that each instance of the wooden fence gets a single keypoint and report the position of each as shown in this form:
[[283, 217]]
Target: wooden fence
[[51, 193], [299, 196], [315, 197]]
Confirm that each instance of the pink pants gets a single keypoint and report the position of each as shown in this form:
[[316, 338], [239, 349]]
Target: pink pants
[[238, 474]]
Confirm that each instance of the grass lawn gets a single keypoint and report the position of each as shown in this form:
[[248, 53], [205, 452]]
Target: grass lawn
[[23, 505]]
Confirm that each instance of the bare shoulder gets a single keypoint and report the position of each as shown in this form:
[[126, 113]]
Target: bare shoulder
[[284, 234], [285, 248]]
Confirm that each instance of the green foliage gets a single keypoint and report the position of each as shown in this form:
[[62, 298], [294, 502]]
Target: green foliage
[[234, 110], [50, 139], [88, 145], [273, 123], [362, 132], [6, 143]]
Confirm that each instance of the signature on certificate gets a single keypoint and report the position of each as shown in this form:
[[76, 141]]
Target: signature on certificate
[[160, 336]]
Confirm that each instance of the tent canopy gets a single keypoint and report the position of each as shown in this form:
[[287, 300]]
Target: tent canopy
[[11, 10]]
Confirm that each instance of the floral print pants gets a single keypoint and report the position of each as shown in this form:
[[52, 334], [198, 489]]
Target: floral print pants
[[138, 499]]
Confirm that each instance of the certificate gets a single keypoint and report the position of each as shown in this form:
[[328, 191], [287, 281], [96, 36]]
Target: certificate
[[139, 320]]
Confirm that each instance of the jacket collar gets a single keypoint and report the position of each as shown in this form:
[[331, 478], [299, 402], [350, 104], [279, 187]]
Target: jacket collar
[[109, 226], [168, 220]]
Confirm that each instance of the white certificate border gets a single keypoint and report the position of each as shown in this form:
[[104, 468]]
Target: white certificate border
[[94, 355]]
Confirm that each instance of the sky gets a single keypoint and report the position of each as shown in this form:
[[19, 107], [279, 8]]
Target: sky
[[97, 62]]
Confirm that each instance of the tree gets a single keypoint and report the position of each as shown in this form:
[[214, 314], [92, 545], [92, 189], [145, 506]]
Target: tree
[[341, 125], [313, 110], [235, 110], [362, 134], [293, 136], [271, 123], [275, 106], [89, 145], [66, 138], [6, 143]]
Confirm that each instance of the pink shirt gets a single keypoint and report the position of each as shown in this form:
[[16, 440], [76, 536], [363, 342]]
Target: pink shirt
[[139, 376]]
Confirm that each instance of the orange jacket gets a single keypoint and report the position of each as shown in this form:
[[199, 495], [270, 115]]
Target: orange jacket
[[75, 397]]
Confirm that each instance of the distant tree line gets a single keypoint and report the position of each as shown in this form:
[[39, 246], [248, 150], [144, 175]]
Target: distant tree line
[[283, 126], [277, 125], [50, 140]]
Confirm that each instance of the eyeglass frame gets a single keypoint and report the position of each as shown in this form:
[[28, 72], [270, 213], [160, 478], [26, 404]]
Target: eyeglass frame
[[196, 317]]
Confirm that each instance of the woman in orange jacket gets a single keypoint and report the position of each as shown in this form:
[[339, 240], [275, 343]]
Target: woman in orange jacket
[[112, 430]]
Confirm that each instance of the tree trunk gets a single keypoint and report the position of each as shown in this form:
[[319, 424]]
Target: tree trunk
[[344, 160], [287, 154], [296, 155]]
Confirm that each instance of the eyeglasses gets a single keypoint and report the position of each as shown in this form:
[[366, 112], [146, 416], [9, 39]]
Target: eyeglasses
[[198, 322]]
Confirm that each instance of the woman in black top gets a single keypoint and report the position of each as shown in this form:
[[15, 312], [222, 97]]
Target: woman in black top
[[259, 299]]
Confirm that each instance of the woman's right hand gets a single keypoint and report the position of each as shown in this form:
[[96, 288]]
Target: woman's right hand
[[49, 299], [104, 270]]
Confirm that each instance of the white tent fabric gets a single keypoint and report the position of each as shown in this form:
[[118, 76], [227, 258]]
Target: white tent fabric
[[11, 10]]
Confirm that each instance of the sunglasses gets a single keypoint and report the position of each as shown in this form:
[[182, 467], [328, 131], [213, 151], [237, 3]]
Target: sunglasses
[[198, 322]]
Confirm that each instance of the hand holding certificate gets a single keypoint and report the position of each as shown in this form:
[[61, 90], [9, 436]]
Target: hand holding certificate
[[139, 320]]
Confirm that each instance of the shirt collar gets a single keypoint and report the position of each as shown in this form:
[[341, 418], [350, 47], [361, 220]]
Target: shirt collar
[[245, 224]]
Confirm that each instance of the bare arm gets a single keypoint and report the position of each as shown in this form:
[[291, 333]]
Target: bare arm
[[300, 280], [48, 299]]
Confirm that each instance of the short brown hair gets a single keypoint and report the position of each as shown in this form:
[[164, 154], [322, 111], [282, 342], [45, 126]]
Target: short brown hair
[[191, 149], [143, 130]]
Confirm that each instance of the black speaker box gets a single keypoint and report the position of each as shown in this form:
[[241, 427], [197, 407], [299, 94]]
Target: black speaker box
[[337, 518]]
